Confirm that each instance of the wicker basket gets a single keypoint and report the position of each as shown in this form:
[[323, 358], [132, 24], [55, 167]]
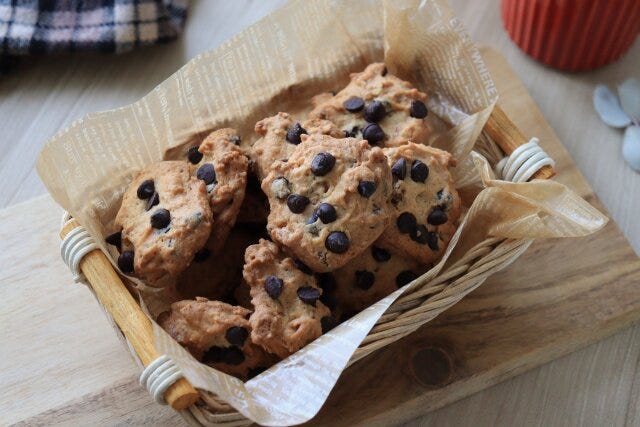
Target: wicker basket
[[524, 160]]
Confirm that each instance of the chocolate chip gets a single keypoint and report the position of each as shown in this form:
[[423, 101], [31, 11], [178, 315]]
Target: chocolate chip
[[418, 109], [280, 187], [399, 169], [194, 155], [152, 201], [229, 355], [125, 262], [373, 133], [236, 335], [308, 295], [352, 133], [146, 189], [432, 240], [384, 71], [420, 234], [326, 212], [327, 323], [201, 255], [364, 279], [294, 133], [406, 222], [273, 286], [254, 372], [419, 171], [337, 242], [326, 281], [374, 112], [206, 173], [379, 254], [322, 164], [235, 139], [115, 239], [160, 218], [405, 277], [366, 188], [354, 104], [302, 267], [297, 203], [437, 217]]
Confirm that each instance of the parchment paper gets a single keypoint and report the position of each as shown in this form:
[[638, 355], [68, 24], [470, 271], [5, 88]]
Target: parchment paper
[[308, 47]]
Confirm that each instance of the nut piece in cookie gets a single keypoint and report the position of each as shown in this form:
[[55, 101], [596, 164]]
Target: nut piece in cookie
[[165, 218], [288, 314], [217, 334], [279, 136], [371, 276], [427, 205], [329, 201], [220, 164], [378, 107]]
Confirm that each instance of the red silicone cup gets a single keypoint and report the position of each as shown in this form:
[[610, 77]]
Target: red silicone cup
[[572, 35]]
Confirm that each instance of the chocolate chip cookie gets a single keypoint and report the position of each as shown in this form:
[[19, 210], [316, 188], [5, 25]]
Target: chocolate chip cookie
[[165, 219], [329, 201], [378, 107], [217, 334], [221, 165], [427, 205], [369, 277], [288, 314], [279, 136]]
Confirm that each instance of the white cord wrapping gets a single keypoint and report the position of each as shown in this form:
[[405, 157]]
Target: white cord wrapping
[[524, 162], [159, 376], [74, 247]]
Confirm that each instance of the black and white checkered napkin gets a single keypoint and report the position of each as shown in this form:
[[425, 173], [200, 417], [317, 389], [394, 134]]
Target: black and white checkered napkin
[[29, 27]]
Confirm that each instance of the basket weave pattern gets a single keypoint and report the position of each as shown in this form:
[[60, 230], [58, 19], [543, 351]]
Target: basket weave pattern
[[422, 302], [425, 301]]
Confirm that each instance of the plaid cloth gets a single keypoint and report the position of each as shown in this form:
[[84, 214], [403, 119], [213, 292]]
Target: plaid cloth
[[30, 27]]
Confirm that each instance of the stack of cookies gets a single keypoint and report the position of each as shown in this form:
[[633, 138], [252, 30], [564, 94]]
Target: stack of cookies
[[358, 206]]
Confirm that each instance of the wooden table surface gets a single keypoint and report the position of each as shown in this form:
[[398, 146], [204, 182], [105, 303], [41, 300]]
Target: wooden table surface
[[595, 386]]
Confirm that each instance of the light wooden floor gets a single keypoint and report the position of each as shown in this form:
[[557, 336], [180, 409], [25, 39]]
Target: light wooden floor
[[599, 385]]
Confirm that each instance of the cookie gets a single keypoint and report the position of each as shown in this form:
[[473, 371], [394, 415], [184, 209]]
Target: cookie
[[287, 311], [426, 203], [165, 218], [329, 201], [215, 276], [219, 162], [378, 107], [217, 334], [371, 276], [279, 136]]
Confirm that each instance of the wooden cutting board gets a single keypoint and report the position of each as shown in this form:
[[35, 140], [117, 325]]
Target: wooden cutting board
[[60, 361]]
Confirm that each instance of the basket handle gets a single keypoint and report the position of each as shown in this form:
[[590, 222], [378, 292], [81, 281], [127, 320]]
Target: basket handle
[[508, 137], [136, 326]]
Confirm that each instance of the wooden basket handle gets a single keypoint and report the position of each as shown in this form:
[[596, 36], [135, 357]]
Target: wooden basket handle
[[508, 137], [136, 326]]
